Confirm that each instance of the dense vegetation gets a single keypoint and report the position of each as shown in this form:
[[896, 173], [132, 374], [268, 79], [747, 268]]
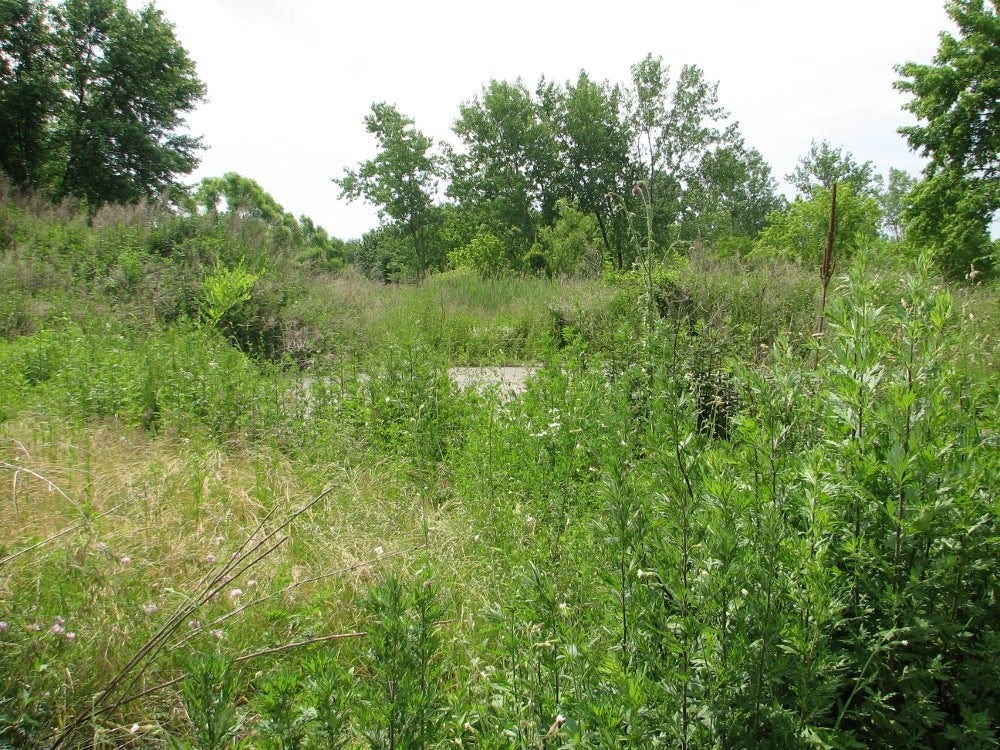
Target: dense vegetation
[[747, 499], [702, 525]]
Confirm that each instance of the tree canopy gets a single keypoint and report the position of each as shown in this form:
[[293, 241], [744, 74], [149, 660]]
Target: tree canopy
[[826, 165], [956, 99], [401, 179], [93, 97]]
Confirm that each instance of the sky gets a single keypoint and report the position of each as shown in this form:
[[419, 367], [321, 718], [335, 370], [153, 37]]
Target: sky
[[289, 83]]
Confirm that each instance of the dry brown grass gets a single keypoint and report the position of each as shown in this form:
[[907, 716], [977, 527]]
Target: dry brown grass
[[149, 517]]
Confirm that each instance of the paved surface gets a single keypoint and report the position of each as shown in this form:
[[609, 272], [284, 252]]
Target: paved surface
[[510, 380]]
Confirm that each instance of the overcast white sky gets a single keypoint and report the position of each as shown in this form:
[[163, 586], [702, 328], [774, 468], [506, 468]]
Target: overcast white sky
[[290, 82]]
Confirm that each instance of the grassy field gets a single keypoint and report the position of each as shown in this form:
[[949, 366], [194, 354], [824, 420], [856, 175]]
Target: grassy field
[[284, 526]]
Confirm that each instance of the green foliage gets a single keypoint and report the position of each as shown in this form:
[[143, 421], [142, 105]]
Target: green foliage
[[673, 124], [485, 254], [522, 157], [242, 196], [407, 405], [284, 713], [181, 376], [401, 179], [800, 232], [224, 292], [594, 159], [732, 197], [955, 99], [535, 263], [332, 697], [951, 213], [893, 202], [28, 89], [572, 244], [405, 658], [705, 527], [210, 691], [825, 166], [509, 154], [93, 96]]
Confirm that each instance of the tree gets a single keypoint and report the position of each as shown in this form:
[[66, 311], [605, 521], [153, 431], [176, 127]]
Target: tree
[[401, 179], [593, 141], [505, 169], [956, 100], [730, 201], [672, 125], [572, 243], [800, 232], [242, 196], [484, 254], [893, 201], [28, 90], [126, 83], [825, 165]]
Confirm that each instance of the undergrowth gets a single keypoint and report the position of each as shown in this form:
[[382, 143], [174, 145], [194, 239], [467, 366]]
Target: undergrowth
[[711, 528]]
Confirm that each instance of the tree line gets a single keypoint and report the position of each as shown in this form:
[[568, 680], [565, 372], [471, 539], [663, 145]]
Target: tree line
[[561, 179], [575, 177]]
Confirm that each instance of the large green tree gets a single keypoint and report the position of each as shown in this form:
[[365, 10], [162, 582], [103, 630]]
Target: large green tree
[[673, 125], [401, 180], [28, 90], [956, 99], [593, 139], [505, 167], [730, 201], [93, 98], [127, 84]]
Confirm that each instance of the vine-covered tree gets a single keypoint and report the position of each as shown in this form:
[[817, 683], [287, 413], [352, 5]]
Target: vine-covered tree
[[956, 100]]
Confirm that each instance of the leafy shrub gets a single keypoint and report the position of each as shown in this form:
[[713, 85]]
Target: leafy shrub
[[485, 254]]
